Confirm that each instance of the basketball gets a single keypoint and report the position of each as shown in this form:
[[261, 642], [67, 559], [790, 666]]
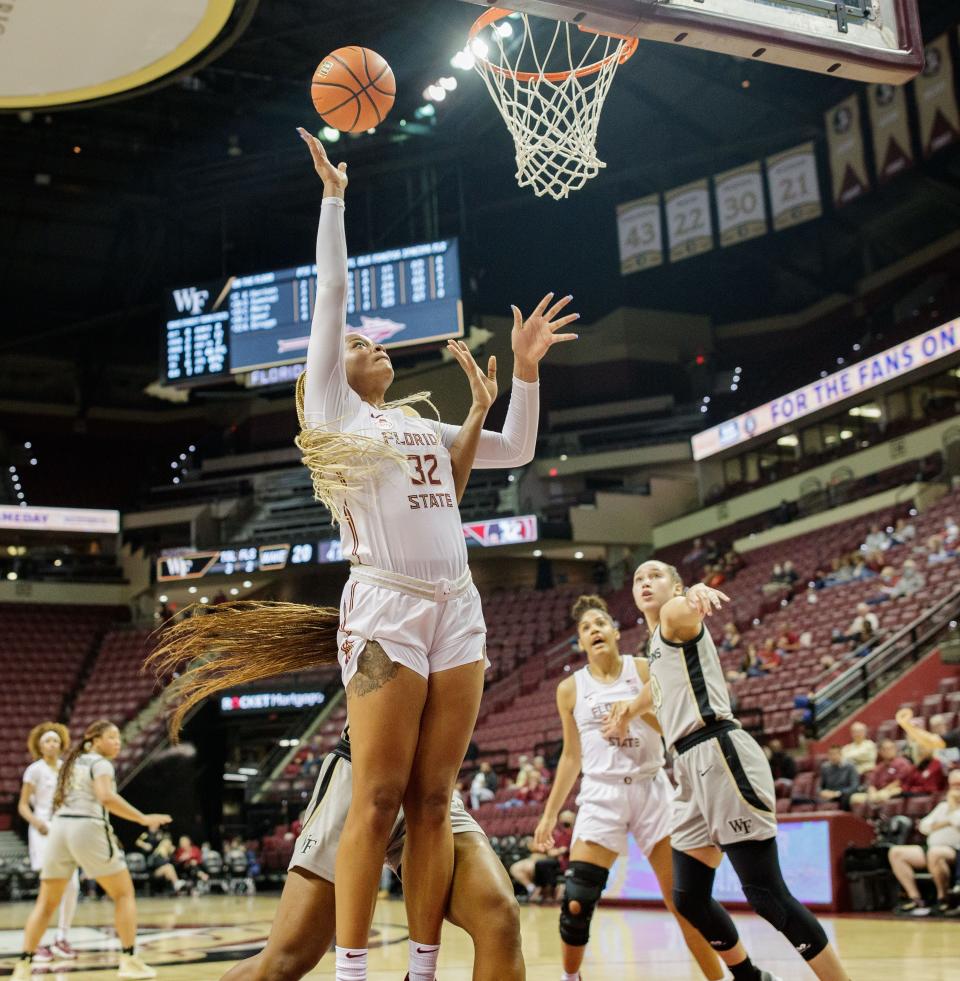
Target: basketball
[[353, 89]]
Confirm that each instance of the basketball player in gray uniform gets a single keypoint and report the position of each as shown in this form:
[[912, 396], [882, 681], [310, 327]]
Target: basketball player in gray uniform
[[481, 901], [80, 835], [725, 800]]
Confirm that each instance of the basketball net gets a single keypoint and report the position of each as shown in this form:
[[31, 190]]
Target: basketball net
[[552, 114]]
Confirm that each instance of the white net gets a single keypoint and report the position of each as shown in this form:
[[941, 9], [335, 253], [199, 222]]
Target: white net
[[552, 112]]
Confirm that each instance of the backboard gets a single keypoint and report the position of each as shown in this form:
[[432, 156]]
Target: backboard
[[865, 40]]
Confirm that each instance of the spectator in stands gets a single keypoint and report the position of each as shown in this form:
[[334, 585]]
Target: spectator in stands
[[776, 582], [523, 768], [838, 778], [158, 847], [540, 765], [731, 637], [538, 874], [888, 582], [790, 574], [782, 765], [732, 562], [771, 658], [940, 729], [951, 531], [189, 860], [827, 662], [946, 743], [941, 827], [484, 785], [714, 575], [886, 780], [854, 631], [904, 532], [696, 554], [861, 751], [911, 581], [750, 665], [877, 540], [927, 776], [860, 568], [788, 642], [937, 551], [536, 791]]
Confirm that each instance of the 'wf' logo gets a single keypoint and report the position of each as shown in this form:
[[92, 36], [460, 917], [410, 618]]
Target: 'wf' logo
[[741, 826], [179, 567], [191, 300]]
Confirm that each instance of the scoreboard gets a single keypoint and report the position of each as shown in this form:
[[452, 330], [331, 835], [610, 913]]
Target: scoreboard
[[184, 564], [398, 297]]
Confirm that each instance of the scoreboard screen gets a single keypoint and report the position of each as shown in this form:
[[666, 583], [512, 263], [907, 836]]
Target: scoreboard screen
[[398, 297]]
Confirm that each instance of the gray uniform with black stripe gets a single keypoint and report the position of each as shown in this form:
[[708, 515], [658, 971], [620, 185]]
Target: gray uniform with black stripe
[[80, 832], [725, 789], [316, 847]]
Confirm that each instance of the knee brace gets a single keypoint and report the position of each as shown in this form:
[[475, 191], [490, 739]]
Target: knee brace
[[757, 865], [584, 883], [692, 888]]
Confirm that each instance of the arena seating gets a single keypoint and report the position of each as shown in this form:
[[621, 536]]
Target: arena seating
[[44, 651]]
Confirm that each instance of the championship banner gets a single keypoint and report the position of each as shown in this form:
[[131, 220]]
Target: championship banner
[[936, 99], [741, 210], [794, 187], [892, 149], [640, 232], [848, 168], [688, 220]]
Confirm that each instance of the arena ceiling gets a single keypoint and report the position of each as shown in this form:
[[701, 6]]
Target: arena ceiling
[[103, 206]]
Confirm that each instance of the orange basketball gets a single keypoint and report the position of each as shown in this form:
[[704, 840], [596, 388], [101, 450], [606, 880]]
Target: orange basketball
[[353, 89]]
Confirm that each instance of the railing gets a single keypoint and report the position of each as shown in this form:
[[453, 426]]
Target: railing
[[860, 681]]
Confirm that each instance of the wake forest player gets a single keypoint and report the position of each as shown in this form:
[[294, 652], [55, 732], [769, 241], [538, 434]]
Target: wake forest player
[[481, 900], [625, 789], [725, 799]]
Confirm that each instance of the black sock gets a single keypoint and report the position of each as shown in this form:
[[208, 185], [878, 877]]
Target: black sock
[[745, 971], [128, 950], [27, 955]]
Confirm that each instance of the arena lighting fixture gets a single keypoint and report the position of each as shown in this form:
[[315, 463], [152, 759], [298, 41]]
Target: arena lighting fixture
[[511, 478], [237, 777], [191, 448], [174, 464], [371, 131], [425, 112], [247, 584], [330, 134], [856, 347], [463, 60], [191, 589], [183, 456], [234, 591], [13, 470], [247, 771], [447, 82], [564, 458], [846, 434], [204, 599], [163, 598], [28, 446], [11, 550], [788, 440], [57, 563], [866, 411], [504, 29], [20, 496], [479, 48], [12, 576], [537, 552], [578, 555], [176, 480]]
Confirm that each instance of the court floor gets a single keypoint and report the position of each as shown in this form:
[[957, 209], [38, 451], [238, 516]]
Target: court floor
[[199, 939]]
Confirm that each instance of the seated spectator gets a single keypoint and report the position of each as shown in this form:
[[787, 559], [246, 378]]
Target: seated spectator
[[771, 659], [841, 571], [750, 665], [911, 581], [827, 662], [886, 780], [951, 531], [790, 574], [904, 532], [536, 791], [877, 540], [713, 576], [789, 640], [484, 785], [775, 584], [732, 562], [731, 637], [885, 589], [539, 763], [159, 848], [859, 568], [696, 554], [189, 860], [539, 874], [927, 777], [855, 630], [782, 765], [941, 827], [524, 767], [937, 551], [860, 751], [867, 640], [838, 778]]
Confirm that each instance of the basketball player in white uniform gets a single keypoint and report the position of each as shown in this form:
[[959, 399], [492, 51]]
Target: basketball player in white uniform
[[725, 801], [46, 742], [80, 836], [481, 899], [625, 790], [412, 637]]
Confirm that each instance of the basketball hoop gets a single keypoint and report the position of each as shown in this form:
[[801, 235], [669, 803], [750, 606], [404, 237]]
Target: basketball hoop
[[552, 112]]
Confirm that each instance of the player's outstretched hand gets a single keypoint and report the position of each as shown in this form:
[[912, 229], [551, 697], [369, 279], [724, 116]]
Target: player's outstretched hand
[[616, 721], [904, 717], [483, 387], [533, 337], [543, 835], [334, 178], [705, 599], [154, 821]]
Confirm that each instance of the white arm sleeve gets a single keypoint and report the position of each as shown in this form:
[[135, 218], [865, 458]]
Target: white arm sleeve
[[328, 400], [938, 814], [515, 446]]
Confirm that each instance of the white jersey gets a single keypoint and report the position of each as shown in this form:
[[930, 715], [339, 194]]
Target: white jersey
[[43, 778], [80, 799], [401, 521], [639, 754], [687, 685]]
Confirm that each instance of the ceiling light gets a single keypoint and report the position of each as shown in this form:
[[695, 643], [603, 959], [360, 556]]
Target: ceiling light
[[840, 361], [856, 347], [537, 552], [204, 599], [57, 563], [425, 112], [191, 589], [33, 461], [13, 470], [846, 434], [191, 448], [330, 134], [788, 441], [12, 576], [578, 555], [28, 446], [703, 408], [464, 60], [866, 411], [479, 47], [448, 82], [564, 458], [163, 597], [234, 591], [504, 29], [20, 496], [247, 584]]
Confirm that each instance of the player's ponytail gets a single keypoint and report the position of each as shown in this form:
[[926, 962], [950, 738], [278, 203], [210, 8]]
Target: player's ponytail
[[341, 463], [83, 745], [232, 644]]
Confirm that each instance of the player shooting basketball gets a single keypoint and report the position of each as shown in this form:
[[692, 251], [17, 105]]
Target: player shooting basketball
[[409, 635]]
